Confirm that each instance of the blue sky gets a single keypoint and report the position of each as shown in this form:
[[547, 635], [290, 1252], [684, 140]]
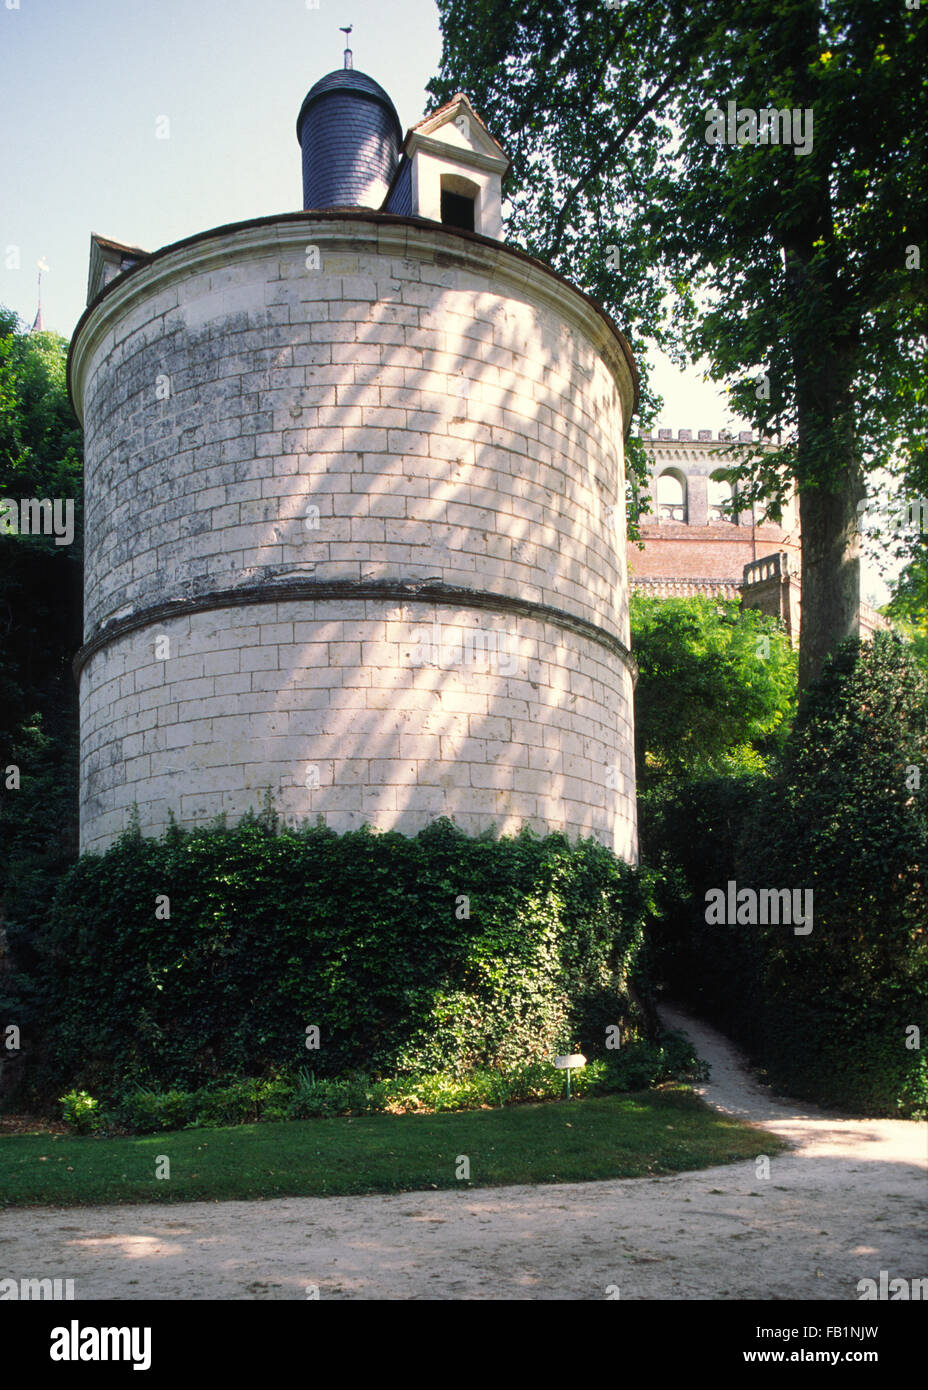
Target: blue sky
[[84, 82]]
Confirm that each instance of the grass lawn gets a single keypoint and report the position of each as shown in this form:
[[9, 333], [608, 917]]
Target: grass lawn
[[623, 1136]]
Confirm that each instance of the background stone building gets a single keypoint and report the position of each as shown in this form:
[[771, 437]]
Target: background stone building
[[694, 545]]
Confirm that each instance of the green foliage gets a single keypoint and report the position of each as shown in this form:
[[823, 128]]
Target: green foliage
[[793, 264], [148, 1109], [40, 604], [38, 844], [365, 936], [81, 1112], [916, 633], [908, 613], [826, 1013], [909, 603], [856, 832], [716, 689], [40, 582], [303, 1095]]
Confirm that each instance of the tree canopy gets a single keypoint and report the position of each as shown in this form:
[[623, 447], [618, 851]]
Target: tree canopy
[[40, 619], [795, 268], [716, 688], [40, 582]]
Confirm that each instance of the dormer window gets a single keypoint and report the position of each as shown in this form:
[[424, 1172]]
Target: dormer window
[[455, 172], [107, 260]]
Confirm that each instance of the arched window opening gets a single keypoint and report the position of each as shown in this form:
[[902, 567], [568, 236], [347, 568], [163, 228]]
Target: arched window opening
[[671, 497], [721, 493]]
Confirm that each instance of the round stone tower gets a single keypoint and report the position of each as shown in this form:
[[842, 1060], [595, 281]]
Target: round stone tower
[[355, 528]]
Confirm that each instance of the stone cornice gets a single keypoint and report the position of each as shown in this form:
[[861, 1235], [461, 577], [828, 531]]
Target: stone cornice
[[441, 149], [342, 590], [355, 230]]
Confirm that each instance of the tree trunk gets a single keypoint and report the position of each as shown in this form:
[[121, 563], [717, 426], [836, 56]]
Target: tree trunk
[[824, 331], [830, 571], [829, 475]]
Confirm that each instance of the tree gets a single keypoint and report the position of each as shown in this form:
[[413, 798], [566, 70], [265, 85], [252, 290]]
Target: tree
[[716, 687], [40, 624], [795, 270], [40, 581]]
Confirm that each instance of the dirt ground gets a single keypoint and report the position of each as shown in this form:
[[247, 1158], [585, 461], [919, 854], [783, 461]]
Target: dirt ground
[[847, 1200]]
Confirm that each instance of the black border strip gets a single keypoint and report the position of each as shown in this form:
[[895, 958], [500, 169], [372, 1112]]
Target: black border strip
[[334, 590]]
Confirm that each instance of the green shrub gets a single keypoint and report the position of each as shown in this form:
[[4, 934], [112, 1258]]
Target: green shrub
[[302, 1095], [828, 1014], [366, 936], [854, 828], [355, 1094], [81, 1111], [146, 1111]]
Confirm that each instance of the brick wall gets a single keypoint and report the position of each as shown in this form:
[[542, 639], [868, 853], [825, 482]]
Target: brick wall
[[701, 548], [673, 550]]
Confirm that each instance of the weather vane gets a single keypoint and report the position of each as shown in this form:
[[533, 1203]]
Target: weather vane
[[349, 63]]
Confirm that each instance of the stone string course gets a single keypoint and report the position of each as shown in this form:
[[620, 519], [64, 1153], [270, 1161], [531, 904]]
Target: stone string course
[[686, 588]]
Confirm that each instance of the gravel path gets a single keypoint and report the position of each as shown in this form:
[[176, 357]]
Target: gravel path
[[847, 1200]]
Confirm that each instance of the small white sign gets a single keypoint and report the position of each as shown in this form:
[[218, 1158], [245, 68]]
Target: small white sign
[[576, 1059]]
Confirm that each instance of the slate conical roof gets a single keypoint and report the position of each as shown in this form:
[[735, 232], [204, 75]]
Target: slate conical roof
[[348, 80], [351, 137]]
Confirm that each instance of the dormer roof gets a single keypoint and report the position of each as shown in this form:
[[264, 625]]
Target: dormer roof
[[107, 260], [470, 138]]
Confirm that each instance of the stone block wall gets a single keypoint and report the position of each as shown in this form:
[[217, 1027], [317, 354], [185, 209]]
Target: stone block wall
[[353, 401], [354, 711]]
